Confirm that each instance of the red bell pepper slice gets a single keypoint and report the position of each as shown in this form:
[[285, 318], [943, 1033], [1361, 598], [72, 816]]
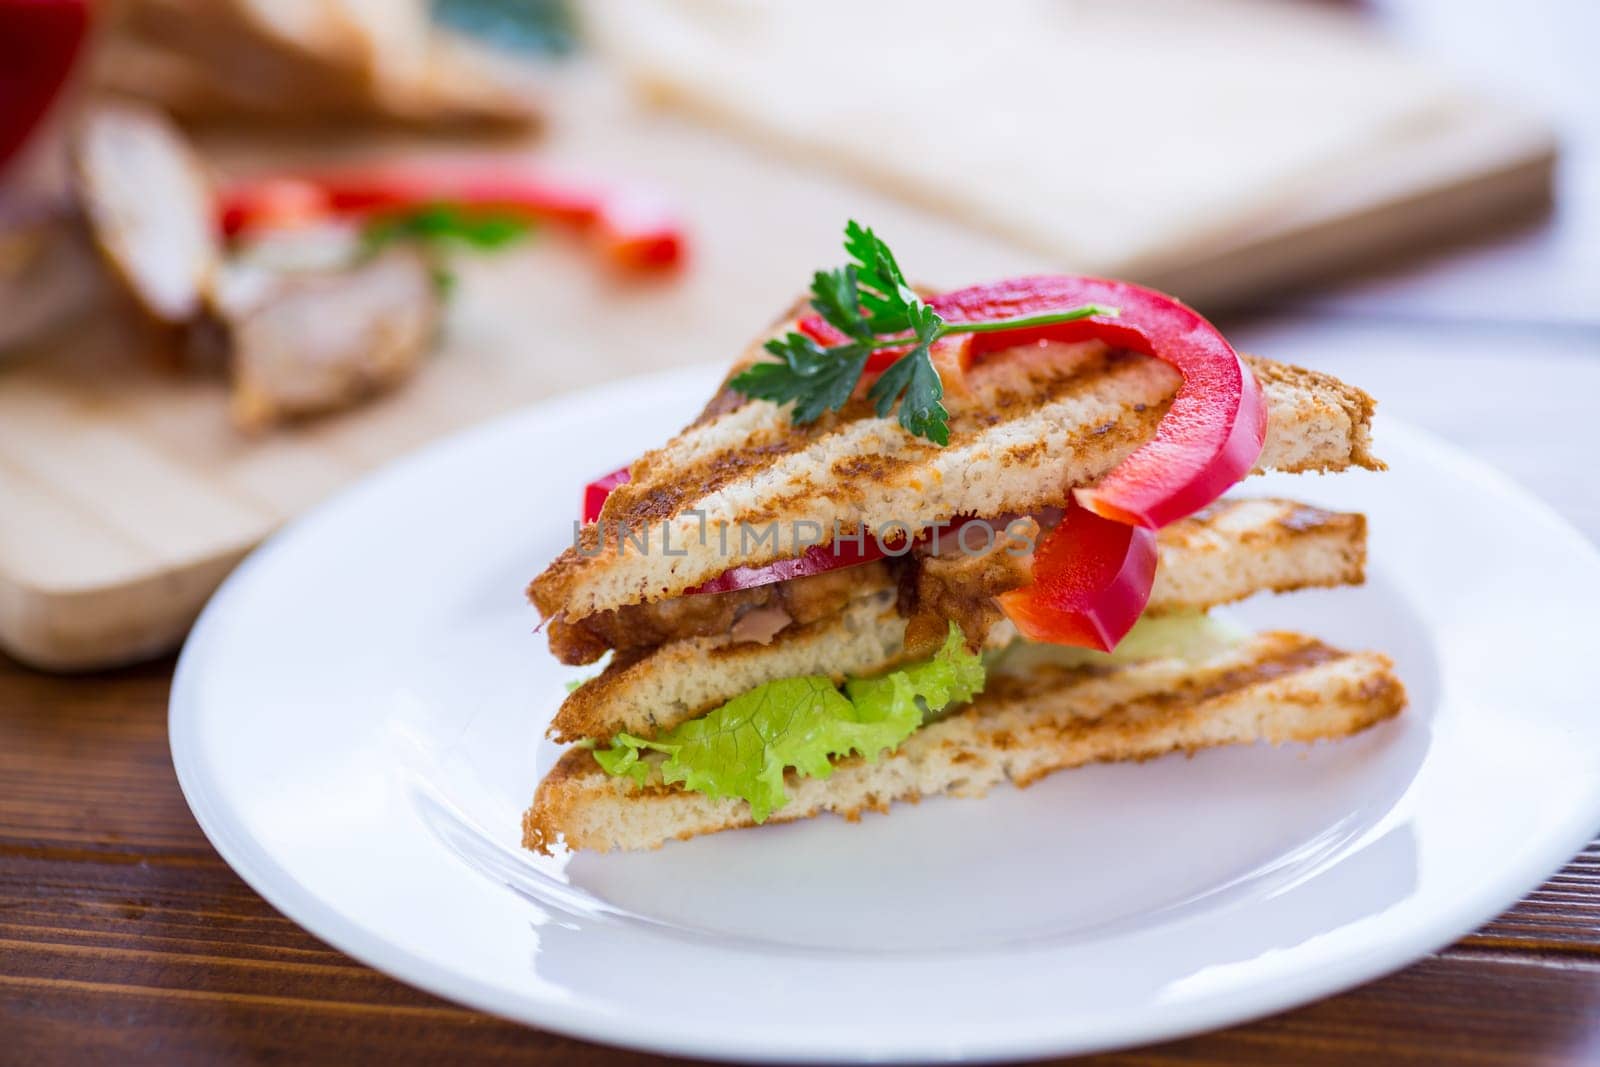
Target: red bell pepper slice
[[267, 203], [632, 229], [595, 493], [1211, 436], [1092, 578], [817, 559], [39, 41]]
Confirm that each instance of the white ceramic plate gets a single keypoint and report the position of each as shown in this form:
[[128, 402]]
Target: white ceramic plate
[[357, 722]]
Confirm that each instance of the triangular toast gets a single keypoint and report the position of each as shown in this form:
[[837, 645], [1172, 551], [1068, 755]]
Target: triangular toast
[[1031, 425]]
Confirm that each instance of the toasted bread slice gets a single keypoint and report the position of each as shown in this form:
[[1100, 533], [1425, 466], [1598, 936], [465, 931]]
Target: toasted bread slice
[[309, 62], [1273, 687], [1240, 546], [1233, 549], [1027, 426]]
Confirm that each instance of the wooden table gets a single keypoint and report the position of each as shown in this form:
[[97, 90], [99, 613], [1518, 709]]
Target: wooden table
[[124, 938], [123, 935]]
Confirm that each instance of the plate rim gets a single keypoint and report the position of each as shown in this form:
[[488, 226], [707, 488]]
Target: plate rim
[[279, 887]]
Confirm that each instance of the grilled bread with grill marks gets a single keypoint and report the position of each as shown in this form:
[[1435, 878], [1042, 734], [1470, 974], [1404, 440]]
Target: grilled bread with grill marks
[[1231, 550], [1026, 426], [1273, 687]]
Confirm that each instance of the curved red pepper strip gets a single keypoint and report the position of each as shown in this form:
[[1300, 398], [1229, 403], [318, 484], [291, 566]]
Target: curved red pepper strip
[[1092, 578], [632, 230], [38, 44], [1212, 434], [270, 202]]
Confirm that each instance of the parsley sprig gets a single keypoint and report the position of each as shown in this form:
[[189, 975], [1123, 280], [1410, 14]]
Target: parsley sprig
[[869, 301]]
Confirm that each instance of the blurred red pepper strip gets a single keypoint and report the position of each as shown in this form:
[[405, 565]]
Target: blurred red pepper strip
[[1212, 434], [39, 41], [631, 229], [267, 203]]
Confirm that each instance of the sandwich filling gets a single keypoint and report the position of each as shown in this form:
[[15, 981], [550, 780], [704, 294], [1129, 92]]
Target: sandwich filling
[[746, 747], [750, 746], [936, 581]]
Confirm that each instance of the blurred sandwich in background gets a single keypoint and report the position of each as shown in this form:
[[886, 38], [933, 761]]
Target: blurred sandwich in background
[[308, 61]]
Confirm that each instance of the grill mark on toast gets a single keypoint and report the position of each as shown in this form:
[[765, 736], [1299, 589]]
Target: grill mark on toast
[[645, 499], [1287, 653], [1280, 654], [1280, 545], [651, 502]]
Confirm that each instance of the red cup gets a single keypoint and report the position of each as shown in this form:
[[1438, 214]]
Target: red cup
[[42, 269], [40, 40]]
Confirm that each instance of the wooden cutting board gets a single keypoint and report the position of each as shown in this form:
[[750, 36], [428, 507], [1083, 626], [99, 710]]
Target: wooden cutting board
[[126, 497]]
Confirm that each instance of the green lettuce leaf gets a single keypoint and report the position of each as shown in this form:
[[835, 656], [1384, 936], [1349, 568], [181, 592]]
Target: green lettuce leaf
[[744, 747], [952, 676]]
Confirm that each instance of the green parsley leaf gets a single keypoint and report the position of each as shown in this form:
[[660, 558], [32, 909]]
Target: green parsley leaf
[[836, 298], [913, 380], [815, 378], [884, 292], [870, 302], [746, 747]]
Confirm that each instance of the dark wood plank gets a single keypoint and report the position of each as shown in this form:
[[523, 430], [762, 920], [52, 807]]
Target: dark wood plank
[[124, 937]]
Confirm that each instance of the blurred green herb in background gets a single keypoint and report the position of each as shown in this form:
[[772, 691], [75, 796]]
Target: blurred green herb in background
[[445, 223], [438, 227], [543, 26]]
